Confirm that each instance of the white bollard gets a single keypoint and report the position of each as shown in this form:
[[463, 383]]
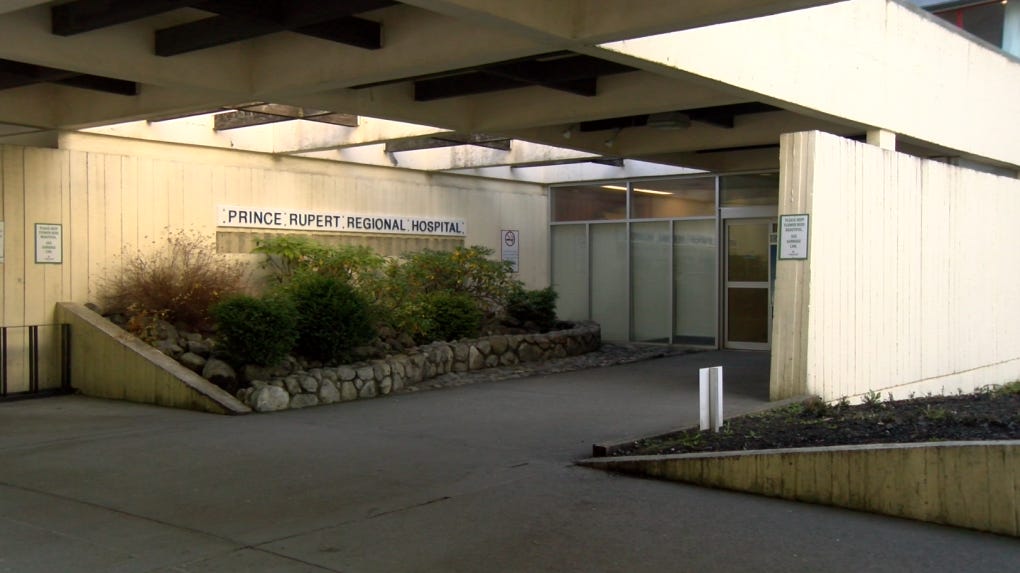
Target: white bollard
[[710, 394]]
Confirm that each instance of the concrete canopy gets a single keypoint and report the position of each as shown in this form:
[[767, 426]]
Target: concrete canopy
[[533, 70]]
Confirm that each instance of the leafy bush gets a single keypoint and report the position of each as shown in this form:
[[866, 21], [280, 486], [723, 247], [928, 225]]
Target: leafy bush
[[536, 306], [256, 330], [355, 264], [452, 315], [415, 277], [464, 270], [180, 283], [333, 317]]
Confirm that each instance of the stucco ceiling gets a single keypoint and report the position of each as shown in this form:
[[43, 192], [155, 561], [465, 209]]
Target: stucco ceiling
[[484, 69]]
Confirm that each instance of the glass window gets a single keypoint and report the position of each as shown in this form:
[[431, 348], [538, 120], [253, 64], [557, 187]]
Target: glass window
[[694, 282], [570, 271], [983, 20], [690, 197], [749, 190], [650, 250], [609, 304], [589, 202]]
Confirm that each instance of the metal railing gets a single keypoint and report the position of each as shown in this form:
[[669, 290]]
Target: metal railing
[[62, 382]]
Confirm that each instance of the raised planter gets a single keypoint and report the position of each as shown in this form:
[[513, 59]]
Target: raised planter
[[109, 362], [967, 484], [383, 376]]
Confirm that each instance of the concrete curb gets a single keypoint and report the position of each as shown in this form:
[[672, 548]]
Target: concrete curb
[[967, 484]]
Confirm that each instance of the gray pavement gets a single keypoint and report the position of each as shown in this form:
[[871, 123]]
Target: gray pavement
[[475, 478]]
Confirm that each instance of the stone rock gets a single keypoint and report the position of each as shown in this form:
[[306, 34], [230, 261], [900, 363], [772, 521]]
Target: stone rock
[[192, 362], [398, 381], [328, 394], [269, 399], [405, 340], [385, 385], [168, 347], [93, 307], [256, 384], [244, 393], [558, 352], [163, 330], [304, 401], [499, 344], [278, 384], [368, 390], [309, 384], [476, 359], [509, 359], [459, 367], [329, 374], [199, 347], [191, 336], [430, 370], [366, 373], [491, 361], [484, 346], [346, 373], [292, 384], [348, 392], [219, 373], [381, 369], [529, 352], [460, 352]]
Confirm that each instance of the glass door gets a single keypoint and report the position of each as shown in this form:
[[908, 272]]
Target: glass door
[[747, 316]]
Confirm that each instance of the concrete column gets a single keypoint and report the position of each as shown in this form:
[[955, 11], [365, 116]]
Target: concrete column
[[1011, 28], [884, 138]]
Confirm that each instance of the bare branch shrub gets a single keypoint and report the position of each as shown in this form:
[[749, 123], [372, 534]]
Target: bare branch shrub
[[179, 283]]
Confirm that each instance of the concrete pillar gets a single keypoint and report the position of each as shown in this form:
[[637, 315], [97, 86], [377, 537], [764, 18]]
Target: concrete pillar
[[884, 138], [1011, 28]]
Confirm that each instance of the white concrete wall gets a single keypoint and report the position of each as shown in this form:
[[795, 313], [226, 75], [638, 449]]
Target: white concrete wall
[[114, 197], [876, 63], [911, 284]]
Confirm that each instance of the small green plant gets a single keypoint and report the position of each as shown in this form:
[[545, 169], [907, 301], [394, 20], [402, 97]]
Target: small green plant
[[179, 282], [936, 414], [256, 330], [287, 255], [815, 406], [535, 306], [453, 315], [872, 398], [333, 318], [1009, 389]]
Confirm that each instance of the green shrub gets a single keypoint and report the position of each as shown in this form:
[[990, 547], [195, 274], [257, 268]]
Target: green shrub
[[466, 270], [179, 283], [355, 264], [333, 318], [256, 330], [452, 315], [536, 306]]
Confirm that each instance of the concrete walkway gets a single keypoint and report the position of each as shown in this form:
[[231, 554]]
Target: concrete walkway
[[476, 478]]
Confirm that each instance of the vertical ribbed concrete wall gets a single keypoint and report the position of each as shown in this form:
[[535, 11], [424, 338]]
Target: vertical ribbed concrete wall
[[912, 277]]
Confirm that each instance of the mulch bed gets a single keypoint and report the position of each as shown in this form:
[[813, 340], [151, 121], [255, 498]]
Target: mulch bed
[[992, 415]]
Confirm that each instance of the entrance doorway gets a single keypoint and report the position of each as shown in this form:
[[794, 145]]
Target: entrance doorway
[[749, 261]]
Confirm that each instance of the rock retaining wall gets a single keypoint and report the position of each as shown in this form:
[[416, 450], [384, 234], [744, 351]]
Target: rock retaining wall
[[383, 376]]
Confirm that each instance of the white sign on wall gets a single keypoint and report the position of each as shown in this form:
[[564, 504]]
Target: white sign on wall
[[49, 243], [265, 218], [793, 236], [510, 247]]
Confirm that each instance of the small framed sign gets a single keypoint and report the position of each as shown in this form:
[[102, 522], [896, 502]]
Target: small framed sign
[[510, 247], [49, 244], [793, 237]]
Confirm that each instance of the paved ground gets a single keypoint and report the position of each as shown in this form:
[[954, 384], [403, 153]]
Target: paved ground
[[476, 478]]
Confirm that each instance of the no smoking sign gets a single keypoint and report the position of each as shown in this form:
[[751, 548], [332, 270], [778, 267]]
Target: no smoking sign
[[510, 247]]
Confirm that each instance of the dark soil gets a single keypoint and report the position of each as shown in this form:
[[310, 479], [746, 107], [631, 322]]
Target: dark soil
[[992, 415]]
